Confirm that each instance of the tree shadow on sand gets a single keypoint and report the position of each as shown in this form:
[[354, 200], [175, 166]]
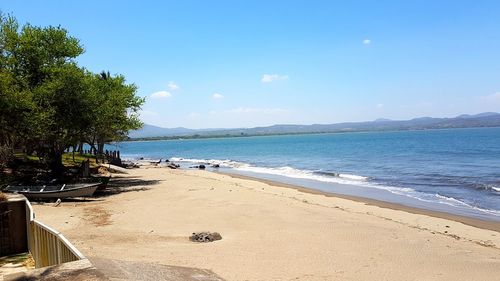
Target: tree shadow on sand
[[115, 186], [121, 185]]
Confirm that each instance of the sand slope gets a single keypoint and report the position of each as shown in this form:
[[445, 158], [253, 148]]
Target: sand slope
[[270, 232]]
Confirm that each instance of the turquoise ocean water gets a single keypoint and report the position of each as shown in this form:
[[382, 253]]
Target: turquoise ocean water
[[455, 170]]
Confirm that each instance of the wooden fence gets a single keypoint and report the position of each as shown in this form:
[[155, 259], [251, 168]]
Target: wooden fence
[[46, 245]]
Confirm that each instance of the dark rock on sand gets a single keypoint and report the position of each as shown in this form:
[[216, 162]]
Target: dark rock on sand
[[204, 237], [215, 166], [202, 167], [173, 166]]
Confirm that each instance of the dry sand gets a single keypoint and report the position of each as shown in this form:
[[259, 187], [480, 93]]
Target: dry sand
[[271, 232]]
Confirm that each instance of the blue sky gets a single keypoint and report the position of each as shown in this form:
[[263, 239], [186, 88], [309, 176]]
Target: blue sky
[[215, 64]]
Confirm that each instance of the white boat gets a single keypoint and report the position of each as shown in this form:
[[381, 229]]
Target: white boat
[[54, 191]]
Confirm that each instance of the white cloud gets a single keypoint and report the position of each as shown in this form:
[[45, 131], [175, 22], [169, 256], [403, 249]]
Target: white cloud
[[367, 42], [161, 95], [217, 96], [380, 105], [172, 86], [266, 78]]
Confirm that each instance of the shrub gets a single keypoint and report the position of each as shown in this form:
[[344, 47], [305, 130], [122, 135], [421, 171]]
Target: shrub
[[6, 156]]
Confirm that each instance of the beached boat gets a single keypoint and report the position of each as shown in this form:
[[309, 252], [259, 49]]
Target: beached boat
[[54, 191]]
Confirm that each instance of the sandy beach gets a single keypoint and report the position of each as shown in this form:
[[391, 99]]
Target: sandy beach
[[271, 232]]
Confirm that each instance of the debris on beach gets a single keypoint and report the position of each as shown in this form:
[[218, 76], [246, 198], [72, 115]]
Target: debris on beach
[[201, 167], [173, 166], [130, 165], [155, 163], [204, 237], [114, 168]]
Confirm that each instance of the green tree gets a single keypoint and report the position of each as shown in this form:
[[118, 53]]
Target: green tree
[[8, 101], [41, 87], [63, 112], [48, 103], [115, 111]]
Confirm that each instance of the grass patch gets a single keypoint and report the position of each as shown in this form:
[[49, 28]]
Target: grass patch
[[67, 159], [15, 259], [3, 197], [26, 157]]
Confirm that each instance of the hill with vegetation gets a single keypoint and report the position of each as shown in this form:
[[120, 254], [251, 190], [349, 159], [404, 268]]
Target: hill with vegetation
[[486, 119]]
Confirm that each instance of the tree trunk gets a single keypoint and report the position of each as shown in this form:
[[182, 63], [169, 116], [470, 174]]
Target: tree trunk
[[54, 160], [100, 147], [100, 151], [80, 148], [93, 151]]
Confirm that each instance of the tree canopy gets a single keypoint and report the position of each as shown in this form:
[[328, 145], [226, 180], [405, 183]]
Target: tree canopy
[[49, 103]]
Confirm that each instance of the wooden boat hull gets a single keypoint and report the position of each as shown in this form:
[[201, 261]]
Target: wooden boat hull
[[70, 192]]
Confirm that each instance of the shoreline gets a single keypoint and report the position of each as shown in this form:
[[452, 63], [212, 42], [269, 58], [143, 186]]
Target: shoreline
[[269, 231], [479, 204], [475, 222]]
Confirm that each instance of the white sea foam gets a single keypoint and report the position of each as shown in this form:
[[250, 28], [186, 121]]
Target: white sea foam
[[451, 201], [131, 157], [279, 171], [303, 174], [223, 163], [338, 178], [353, 177], [454, 202]]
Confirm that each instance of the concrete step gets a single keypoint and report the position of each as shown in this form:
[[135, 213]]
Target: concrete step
[[81, 270], [117, 270]]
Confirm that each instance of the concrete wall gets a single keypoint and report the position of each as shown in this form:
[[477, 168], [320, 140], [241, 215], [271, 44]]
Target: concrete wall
[[13, 232]]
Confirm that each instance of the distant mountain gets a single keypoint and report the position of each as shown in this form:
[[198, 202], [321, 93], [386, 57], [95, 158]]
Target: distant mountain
[[486, 119], [382, 120], [148, 131], [484, 114]]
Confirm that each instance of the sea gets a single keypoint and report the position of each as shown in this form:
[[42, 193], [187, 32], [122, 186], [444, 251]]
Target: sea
[[450, 170]]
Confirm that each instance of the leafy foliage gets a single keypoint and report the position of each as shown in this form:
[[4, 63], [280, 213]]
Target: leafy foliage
[[115, 111], [48, 103]]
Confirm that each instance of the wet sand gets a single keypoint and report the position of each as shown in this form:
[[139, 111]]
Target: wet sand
[[480, 223]]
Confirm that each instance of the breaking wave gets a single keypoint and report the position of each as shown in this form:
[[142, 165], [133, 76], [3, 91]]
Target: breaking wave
[[338, 178]]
